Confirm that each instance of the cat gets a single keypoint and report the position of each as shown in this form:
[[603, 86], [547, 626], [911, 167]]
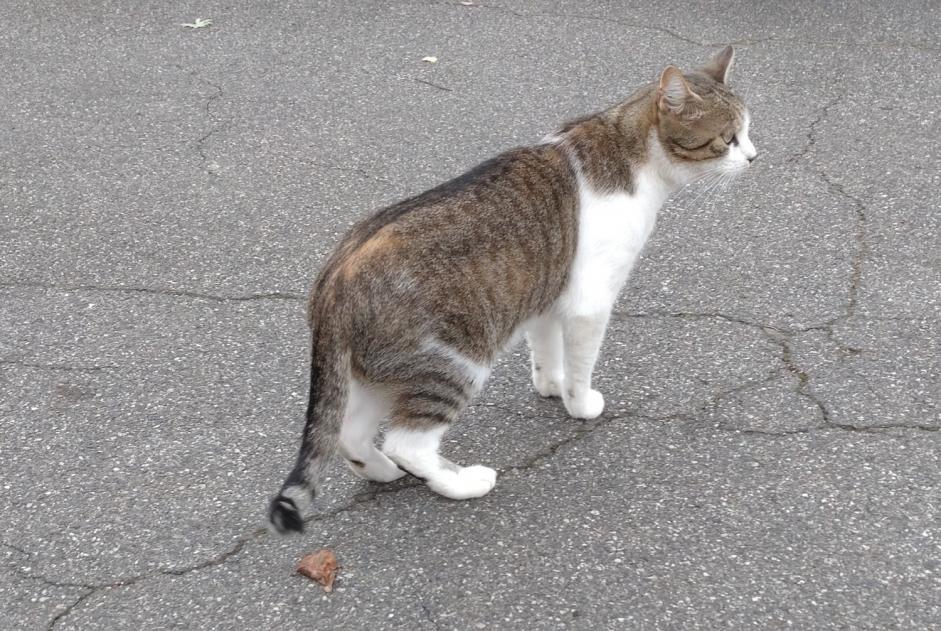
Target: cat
[[411, 310]]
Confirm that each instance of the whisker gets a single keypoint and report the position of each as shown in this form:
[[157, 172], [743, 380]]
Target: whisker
[[708, 188], [702, 191], [727, 180], [722, 183], [706, 176]]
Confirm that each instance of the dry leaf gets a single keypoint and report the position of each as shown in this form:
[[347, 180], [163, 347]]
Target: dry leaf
[[431, 60], [320, 566], [199, 23]]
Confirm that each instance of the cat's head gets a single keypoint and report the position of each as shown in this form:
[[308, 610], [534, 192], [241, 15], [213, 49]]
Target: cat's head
[[701, 125]]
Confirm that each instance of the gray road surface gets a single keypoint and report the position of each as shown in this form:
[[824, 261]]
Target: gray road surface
[[769, 458]]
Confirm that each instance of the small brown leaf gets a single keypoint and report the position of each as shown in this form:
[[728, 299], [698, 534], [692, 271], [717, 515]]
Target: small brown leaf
[[320, 566]]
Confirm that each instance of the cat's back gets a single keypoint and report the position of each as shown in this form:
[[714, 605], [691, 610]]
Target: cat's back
[[494, 244], [515, 188], [509, 206]]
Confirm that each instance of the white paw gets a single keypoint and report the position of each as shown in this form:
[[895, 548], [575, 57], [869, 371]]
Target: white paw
[[474, 481], [547, 384], [586, 406]]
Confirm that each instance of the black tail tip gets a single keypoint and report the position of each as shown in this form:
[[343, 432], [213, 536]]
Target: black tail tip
[[284, 515]]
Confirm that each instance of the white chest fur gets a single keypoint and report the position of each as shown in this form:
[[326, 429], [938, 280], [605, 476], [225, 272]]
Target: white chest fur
[[612, 231]]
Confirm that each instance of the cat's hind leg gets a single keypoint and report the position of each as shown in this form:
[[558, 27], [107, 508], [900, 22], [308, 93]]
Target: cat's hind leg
[[365, 409], [435, 394], [544, 335], [415, 449]]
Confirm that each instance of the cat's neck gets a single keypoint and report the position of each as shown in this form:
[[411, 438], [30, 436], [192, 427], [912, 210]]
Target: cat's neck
[[617, 150], [663, 173]]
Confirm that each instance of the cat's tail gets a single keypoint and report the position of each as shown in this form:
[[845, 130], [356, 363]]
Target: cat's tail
[[329, 389]]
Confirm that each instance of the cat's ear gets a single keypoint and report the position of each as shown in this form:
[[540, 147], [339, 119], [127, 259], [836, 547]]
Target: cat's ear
[[721, 63], [674, 95]]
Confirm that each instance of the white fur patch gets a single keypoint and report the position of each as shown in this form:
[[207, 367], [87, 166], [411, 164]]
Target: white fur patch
[[417, 452], [418, 448], [365, 409], [613, 228], [475, 371], [612, 231], [298, 494], [545, 341], [745, 146]]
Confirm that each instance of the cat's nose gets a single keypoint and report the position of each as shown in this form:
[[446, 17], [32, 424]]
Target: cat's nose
[[752, 157]]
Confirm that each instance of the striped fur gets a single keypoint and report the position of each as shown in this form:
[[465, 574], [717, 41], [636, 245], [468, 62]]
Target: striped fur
[[418, 300]]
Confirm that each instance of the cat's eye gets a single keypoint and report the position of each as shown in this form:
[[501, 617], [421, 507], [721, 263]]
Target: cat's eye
[[698, 147], [729, 139]]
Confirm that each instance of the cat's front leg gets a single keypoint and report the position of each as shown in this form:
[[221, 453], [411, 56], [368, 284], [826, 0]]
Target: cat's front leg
[[544, 335], [582, 335]]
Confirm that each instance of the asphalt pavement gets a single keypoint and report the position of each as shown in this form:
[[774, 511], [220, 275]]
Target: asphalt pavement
[[770, 456]]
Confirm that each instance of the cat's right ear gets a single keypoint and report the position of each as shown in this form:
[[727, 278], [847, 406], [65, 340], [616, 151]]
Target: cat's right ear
[[674, 95], [719, 66]]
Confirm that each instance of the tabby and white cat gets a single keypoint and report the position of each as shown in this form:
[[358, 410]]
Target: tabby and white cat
[[412, 309]]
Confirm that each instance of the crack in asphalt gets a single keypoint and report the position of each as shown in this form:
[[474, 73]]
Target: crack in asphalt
[[803, 378], [91, 589], [360, 499], [746, 41], [608, 20], [777, 335], [697, 315], [87, 589], [69, 608], [846, 43], [62, 367], [580, 432], [862, 246], [859, 256], [435, 85], [357, 170], [370, 495], [811, 143], [783, 338], [860, 227], [16, 549], [859, 208], [203, 141], [803, 389], [429, 616], [831, 426], [582, 428], [159, 291]]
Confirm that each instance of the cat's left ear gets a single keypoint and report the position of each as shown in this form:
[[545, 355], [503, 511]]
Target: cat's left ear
[[721, 63], [674, 94]]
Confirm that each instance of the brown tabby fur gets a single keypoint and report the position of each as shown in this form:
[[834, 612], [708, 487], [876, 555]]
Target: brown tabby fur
[[467, 263]]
